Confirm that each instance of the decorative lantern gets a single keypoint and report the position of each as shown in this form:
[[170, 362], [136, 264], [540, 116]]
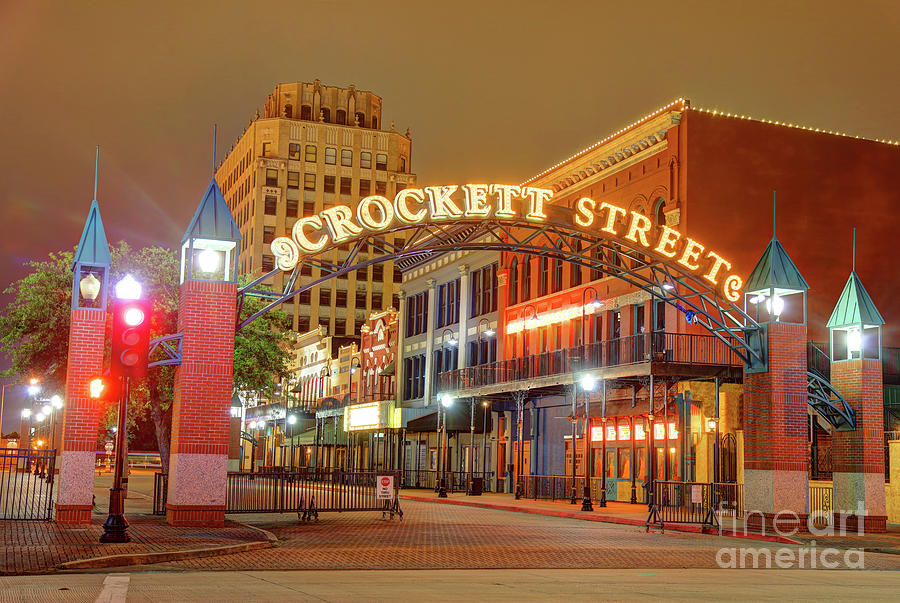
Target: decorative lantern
[[90, 278], [855, 324], [209, 246], [775, 290]]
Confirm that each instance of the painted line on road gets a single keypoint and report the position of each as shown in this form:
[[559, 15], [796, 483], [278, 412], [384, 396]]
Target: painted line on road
[[115, 588]]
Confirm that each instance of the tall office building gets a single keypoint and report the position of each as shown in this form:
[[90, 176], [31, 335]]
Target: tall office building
[[316, 146]]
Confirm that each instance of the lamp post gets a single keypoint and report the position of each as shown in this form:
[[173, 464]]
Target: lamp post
[[291, 420], [471, 456], [446, 402], [574, 497], [485, 409], [588, 383]]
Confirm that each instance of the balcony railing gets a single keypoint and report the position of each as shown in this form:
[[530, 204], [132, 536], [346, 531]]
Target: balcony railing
[[677, 348]]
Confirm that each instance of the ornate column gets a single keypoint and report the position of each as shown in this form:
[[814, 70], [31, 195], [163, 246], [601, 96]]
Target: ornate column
[[429, 343], [203, 382], [462, 358], [87, 341]]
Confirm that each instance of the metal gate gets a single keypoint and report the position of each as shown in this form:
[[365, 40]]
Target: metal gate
[[26, 484]]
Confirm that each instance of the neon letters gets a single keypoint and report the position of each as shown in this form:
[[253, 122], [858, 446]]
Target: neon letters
[[338, 224]]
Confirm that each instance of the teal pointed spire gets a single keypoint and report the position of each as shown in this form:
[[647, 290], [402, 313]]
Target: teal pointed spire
[[93, 249], [854, 306], [213, 219], [775, 270]]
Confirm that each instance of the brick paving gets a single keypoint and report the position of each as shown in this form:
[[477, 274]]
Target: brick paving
[[35, 546], [438, 536]]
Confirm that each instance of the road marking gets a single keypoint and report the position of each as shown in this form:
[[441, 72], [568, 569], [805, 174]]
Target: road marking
[[115, 588]]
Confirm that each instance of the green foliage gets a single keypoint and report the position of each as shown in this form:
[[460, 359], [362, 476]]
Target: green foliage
[[261, 349]]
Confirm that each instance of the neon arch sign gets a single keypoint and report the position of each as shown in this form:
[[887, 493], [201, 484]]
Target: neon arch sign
[[499, 202]]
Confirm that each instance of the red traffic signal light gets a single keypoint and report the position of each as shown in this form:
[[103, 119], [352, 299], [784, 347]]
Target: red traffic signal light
[[130, 338]]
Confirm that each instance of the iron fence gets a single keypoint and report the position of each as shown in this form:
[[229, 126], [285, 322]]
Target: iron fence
[[821, 505], [679, 348], [820, 463], [456, 481], [26, 484]]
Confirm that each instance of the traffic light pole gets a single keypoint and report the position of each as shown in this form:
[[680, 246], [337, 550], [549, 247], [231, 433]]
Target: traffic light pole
[[115, 529]]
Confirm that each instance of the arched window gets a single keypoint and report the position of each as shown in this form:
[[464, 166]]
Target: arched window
[[659, 212], [340, 117], [558, 269], [289, 111], [305, 112], [597, 255], [575, 274], [513, 284], [543, 275], [374, 123], [403, 164], [326, 115], [526, 278]]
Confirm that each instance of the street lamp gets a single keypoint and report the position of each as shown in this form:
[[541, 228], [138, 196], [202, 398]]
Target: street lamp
[[588, 383], [485, 410], [446, 402]]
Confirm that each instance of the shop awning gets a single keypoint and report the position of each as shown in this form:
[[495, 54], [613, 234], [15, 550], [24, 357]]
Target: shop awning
[[388, 371], [458, 419]]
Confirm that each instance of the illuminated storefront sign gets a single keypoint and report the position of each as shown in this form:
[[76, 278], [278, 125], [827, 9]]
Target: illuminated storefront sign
[[373, 415], [339, 224], [552, 317]]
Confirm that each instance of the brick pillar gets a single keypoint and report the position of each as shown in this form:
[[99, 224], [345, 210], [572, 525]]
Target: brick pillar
[[858, 455], [201, 409], [87, 339], [775, 434]]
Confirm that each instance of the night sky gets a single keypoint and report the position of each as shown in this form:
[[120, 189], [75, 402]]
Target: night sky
[[491, 91]]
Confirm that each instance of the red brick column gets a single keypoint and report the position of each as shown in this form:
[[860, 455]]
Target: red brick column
[[776, 481], [858, 455], [201, 410], [87, 339]]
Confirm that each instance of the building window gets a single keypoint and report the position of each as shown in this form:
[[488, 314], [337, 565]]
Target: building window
[[310, 154], [483, 289], [376, 301], [293, 179], [340, 117], [513, 284], [340, 299], [526, 279], [365, 160], [271, 205], [330, 155], [557, 272], [325, 112], [360, 299], [346, 185], [309, 208], [416, 314], [365, 188], [329, 184], [377, 273], [303, 324], [346, 157], [543, 275], [305, 112], [268, 263], [483, 351], [398, 276], [305, 297], [305, 270], [325, 297], [291, 208], [309, 182], [403, 164], [381, 161], [374, 123], [380, 188], [447, 304], [266, 149], [294, 151], [575, 269], [271, 177], [268, 234]]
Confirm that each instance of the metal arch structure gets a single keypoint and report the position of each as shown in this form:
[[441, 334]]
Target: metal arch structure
[[557, 238], [170, 348], [829, 403]]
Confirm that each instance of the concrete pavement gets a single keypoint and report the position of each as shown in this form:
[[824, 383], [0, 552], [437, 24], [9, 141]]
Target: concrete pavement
[[457, 585]]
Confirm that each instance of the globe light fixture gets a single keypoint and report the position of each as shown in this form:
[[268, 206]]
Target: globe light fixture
[[588, 383], [292, 419], [39, 417], [90, 287], [26, 413], [128, 288], [47, 409], [252, 425], [34, 389], [208, 260], [56, 401], [446, 401]]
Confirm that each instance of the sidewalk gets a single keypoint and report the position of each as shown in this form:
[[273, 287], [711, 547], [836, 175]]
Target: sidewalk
[[28, 547], [636, 515]]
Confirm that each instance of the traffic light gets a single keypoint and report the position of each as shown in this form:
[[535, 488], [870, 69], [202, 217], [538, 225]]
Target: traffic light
[[130, 338]]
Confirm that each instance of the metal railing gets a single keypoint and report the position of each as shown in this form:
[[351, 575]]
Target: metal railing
[[679, 348], [309, 492], [820, 463], [682, 502], [26, 484], [456, 481]]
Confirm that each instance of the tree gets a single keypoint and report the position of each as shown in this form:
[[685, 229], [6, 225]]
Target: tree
[[34, 331]]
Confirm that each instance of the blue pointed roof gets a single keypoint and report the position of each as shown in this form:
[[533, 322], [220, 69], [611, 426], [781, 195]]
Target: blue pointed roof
[[93, 248], [854, 306], [213, 219], [775, 270]]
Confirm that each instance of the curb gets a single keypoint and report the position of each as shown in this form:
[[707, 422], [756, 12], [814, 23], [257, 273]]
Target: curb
[[161, 557], [601, 518]]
